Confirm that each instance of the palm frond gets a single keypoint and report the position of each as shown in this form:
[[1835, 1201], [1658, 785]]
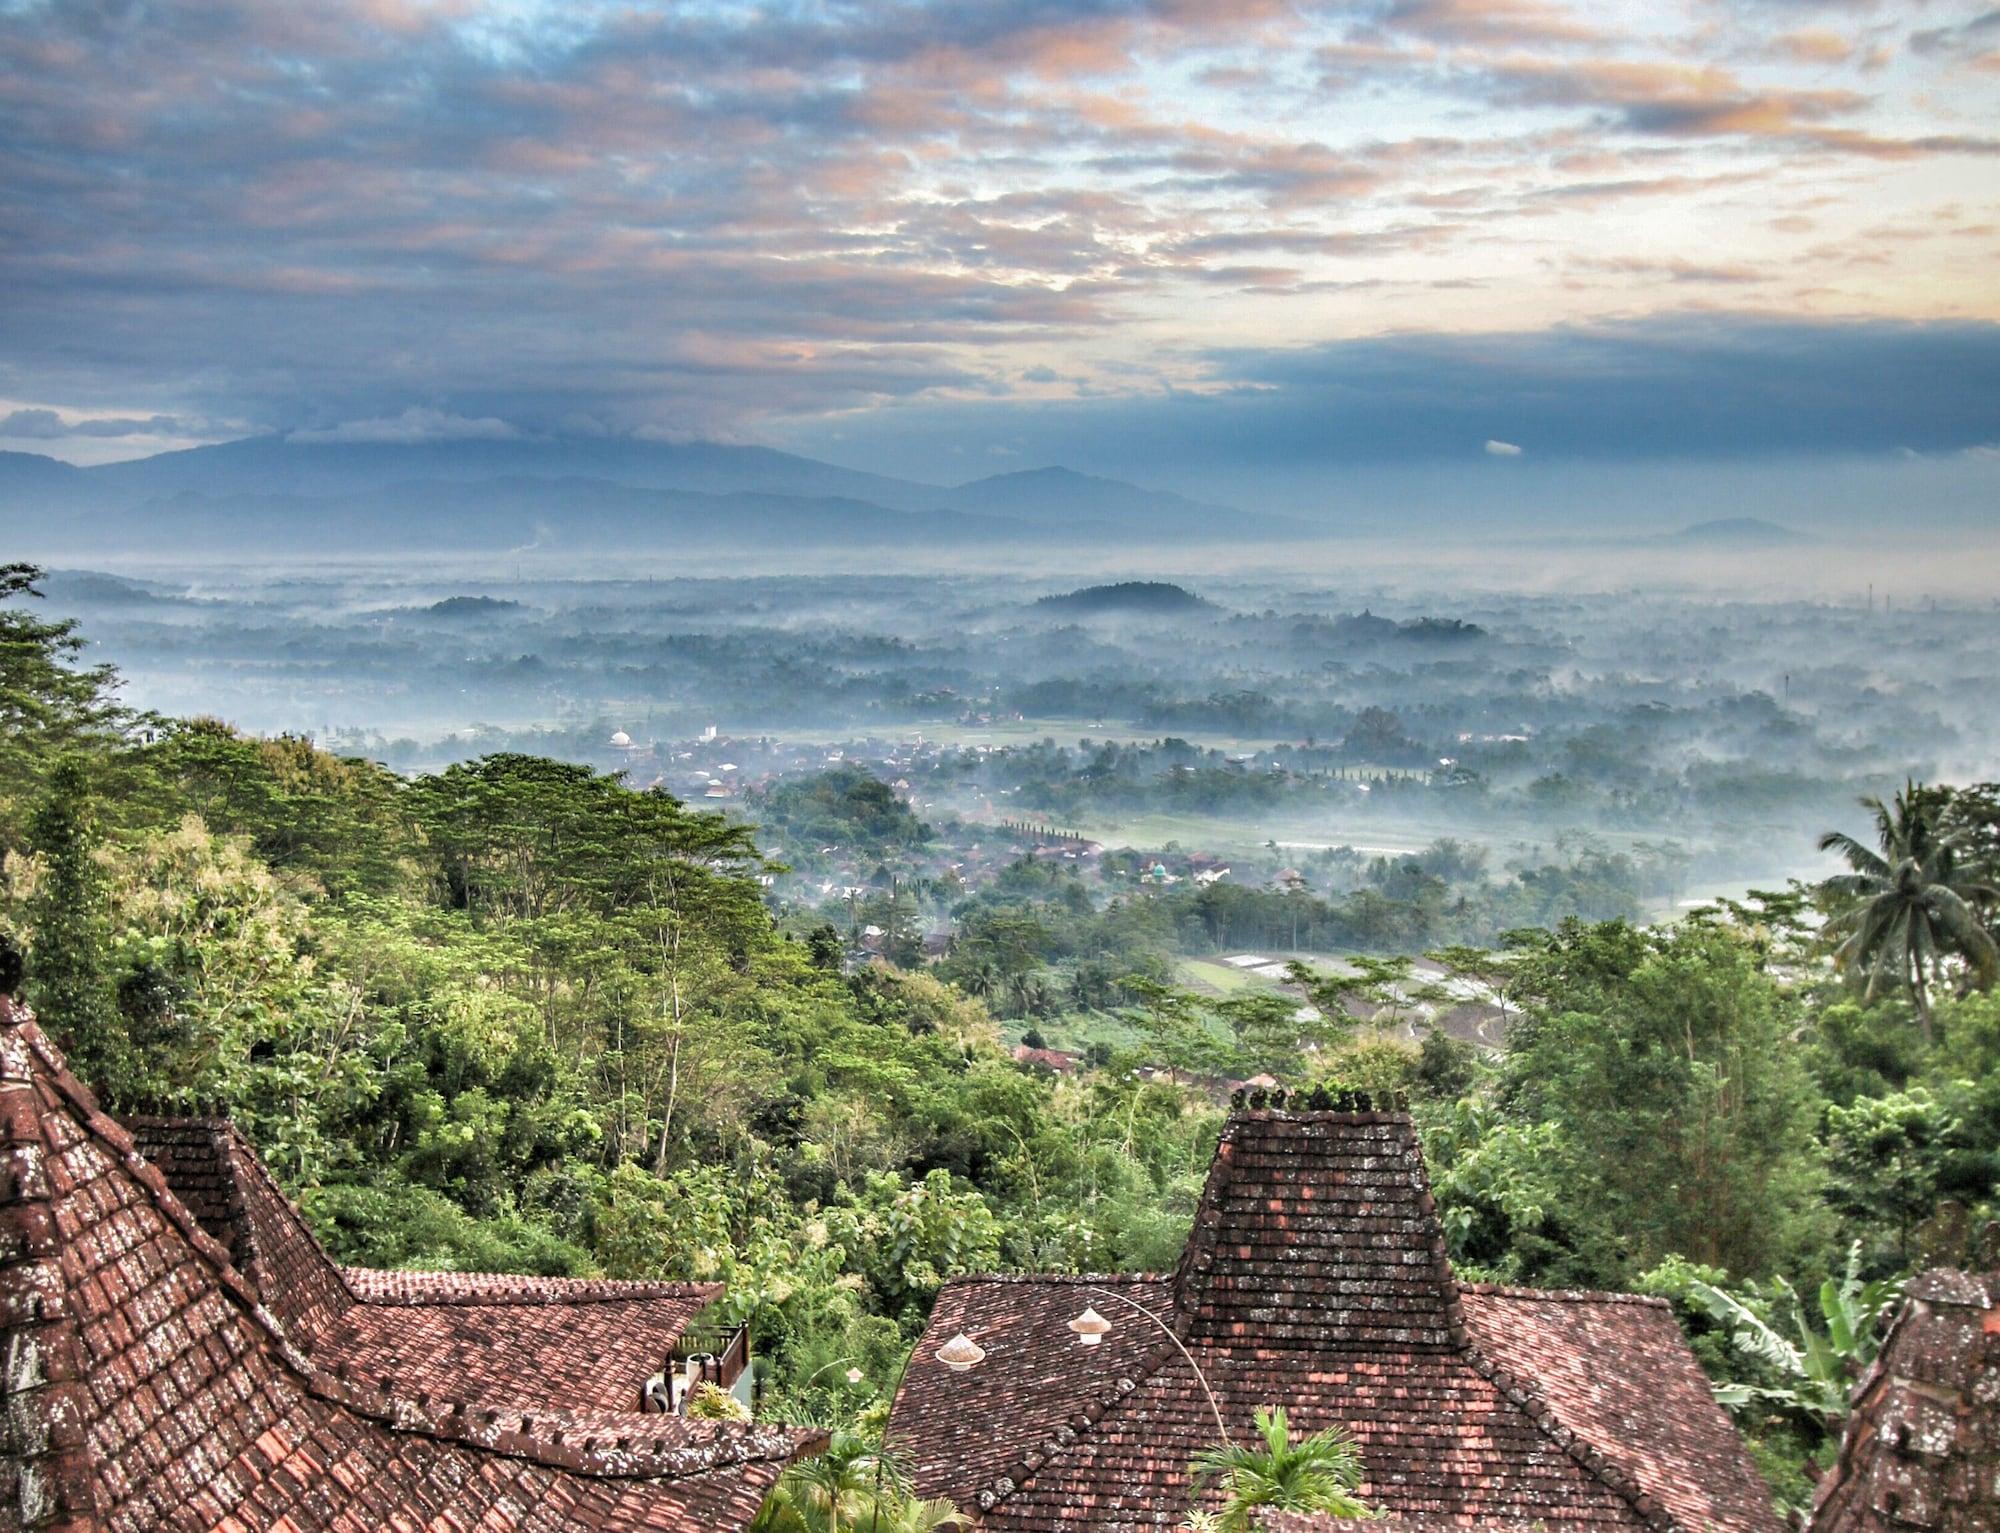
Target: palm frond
[[1861, 858]]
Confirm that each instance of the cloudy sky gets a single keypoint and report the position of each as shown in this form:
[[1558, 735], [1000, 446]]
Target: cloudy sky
[[954, 237]]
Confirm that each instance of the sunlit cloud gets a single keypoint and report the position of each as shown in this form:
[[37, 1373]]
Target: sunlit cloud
[[399, 221]]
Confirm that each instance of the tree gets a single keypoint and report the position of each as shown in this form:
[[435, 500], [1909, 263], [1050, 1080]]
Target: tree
[[1885, 1156], [1274, 1030], [1905, 909], [853, 1485], [1665, 1059], [69, 927], [50, 706], [1317, 1473], [1176, 1030]]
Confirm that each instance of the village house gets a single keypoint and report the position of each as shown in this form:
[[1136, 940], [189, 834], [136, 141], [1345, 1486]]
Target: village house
[[1055, 1061], [186, 1357], [1316, 1278]]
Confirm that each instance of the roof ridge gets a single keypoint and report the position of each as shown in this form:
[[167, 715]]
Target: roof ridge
[[1562, 1295], [239, 1159], [609, 1445], [376, 1287], [1198, 1254], [1080, 1279], [22, 1042]]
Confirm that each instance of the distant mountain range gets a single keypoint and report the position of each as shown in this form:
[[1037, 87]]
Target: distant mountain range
[[1742, 531], [583, 493]]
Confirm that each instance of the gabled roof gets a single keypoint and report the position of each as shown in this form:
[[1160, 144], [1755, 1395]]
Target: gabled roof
[[147, 1387], [1922, 1445], [1316, 1278], [502, 1339]]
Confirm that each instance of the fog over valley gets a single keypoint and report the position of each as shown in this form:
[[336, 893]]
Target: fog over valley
[[1273, 717]]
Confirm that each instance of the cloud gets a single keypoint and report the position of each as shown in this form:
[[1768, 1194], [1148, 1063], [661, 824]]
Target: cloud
[[709, 220], [415, 424], [1496, 448], [1813, 45], [1687, 387], [1508, 23], [35, 425], [1962, 40]]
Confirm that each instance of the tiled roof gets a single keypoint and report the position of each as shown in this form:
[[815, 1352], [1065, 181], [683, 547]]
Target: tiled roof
[[1319, 1522], [1922, 1445], [1316, 1278], [1615, 1369], [500, 1339], [146, 1386]]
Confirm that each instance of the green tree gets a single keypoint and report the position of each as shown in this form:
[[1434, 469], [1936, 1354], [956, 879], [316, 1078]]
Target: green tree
[[1177, 1031], [852, 1485], [1906, 909], [1885, 1157], [1684, 1116], [1316, 1473], [51, 706], [70, 982], [1818, 1363]]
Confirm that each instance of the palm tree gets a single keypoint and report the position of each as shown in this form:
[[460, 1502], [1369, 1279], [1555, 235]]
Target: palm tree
[[1318, 1473], [826, 1493], [982, 980], [1905, 908], [853, 1487]]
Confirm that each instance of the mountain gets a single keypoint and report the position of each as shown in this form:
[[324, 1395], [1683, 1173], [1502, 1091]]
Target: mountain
[[28, 478], [285, 465], [1057, 496], [518, 516], [1738, 531], [598, 494]]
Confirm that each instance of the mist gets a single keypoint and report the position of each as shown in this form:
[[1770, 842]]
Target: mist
[[1515, 702]]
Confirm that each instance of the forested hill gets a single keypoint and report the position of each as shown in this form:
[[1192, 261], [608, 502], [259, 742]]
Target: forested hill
[[1139, 597], [517, 1015]]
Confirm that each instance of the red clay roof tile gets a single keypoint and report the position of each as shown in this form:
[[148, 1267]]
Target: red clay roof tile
[[491, 1337], [1316, 1277], [146, 1388]]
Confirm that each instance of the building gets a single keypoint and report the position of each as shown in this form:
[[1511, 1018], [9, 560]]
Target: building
[[1055, 1061], [1316, 1278], [152, 1382], [1921, 1452]]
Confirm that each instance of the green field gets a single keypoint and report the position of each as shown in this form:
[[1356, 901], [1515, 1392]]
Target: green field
[[1219, 978]]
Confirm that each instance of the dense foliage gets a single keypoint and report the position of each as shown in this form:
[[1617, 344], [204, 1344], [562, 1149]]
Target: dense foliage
[[520, 1015]]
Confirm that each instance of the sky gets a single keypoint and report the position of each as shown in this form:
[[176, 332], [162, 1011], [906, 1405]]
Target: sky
[[1164, 238]]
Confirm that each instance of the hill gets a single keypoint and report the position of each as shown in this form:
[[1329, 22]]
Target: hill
[[1151, 598], [28, 478]]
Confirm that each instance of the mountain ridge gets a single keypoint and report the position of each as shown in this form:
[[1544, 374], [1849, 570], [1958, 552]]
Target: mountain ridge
[[398, 494]]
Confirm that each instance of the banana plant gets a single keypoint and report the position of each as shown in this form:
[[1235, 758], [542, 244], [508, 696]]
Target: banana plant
[[1817, 1364]]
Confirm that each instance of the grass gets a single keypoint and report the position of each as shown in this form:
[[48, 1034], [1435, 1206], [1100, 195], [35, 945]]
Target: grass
[[1213, 978], [1073, 1031]]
